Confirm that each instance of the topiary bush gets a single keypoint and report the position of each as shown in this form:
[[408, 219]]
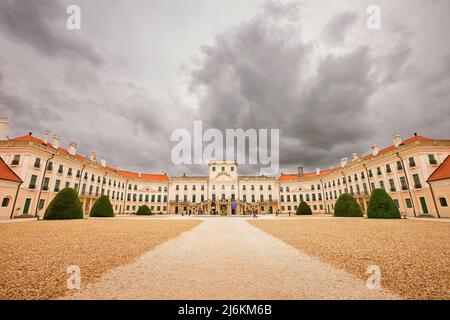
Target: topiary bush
[[347, 206], [304, 209], [144, 211], [102, 208], [381, 206], [65, 206]]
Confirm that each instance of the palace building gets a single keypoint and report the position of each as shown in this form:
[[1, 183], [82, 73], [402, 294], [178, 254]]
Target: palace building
[[415, 173]]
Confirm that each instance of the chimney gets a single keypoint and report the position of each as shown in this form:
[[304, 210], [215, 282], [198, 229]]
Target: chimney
[[300, 170], [375, 150], [344, 162], [397, 140], [46, 136], [355, 157], [103, 161], [318, 171], [93, 157], [55, 141], [72, 148], [4, 127]]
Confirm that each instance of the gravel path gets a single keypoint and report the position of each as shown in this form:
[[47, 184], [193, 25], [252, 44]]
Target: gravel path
[[227, 259]]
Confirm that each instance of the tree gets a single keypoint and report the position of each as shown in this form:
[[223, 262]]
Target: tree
[[304, 209], [381, 206], [66, 205], [347, 206], [102, 208], [144, 211]]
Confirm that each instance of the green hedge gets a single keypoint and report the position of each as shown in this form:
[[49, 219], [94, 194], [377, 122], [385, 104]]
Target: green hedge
[[144, 211], [304, 209], [347, 206], [66, 205], [102, 208], [381, 206]]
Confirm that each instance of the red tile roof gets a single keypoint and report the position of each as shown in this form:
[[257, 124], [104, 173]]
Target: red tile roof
[[442, 172], [287, 177], [7, 174], [132, 175]]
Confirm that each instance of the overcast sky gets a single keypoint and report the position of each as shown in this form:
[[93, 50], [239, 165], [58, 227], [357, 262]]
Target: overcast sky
[[139, 69]]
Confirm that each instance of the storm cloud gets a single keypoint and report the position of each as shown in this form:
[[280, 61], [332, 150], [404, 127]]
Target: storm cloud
[[312, 70]]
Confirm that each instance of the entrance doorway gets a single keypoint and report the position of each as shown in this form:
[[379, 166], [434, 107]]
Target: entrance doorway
[[423, 203], [26, 207]]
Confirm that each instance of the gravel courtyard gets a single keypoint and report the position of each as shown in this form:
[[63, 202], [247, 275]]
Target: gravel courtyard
[[227, 258], [35, 255], [414, 256]]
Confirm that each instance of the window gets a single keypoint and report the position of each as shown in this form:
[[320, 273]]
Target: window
[[370, 173], [41, 204], [392, 185], [399, 165], [443, 202], [5, 202], [33, 182], [408, 203], [57, 184], [388, 168], [432, 159], [37, 163], [85, 176], [16, 160], [50, 166], [378, 171], [382, 185], [78, 173], [69, 172], [232, 168], [403, 183], [214, 169], [223, 169], [417, 183], [46, 183], [60, 169], [412, 162]]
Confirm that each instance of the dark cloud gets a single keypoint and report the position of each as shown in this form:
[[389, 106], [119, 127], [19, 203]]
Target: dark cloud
[[41, 24], [328, 95], [256, 76]]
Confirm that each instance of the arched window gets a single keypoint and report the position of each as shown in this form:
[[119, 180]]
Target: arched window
[[443, 202], [5, 202]]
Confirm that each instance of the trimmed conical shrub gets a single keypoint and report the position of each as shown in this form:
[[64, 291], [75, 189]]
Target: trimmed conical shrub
[[347, 206], [381, 206], [102, 208], [66, 205], [144, 211], [304, 209]]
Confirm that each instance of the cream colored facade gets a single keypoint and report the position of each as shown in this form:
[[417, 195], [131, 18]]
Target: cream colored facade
[[401, 169], [223, 192]]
